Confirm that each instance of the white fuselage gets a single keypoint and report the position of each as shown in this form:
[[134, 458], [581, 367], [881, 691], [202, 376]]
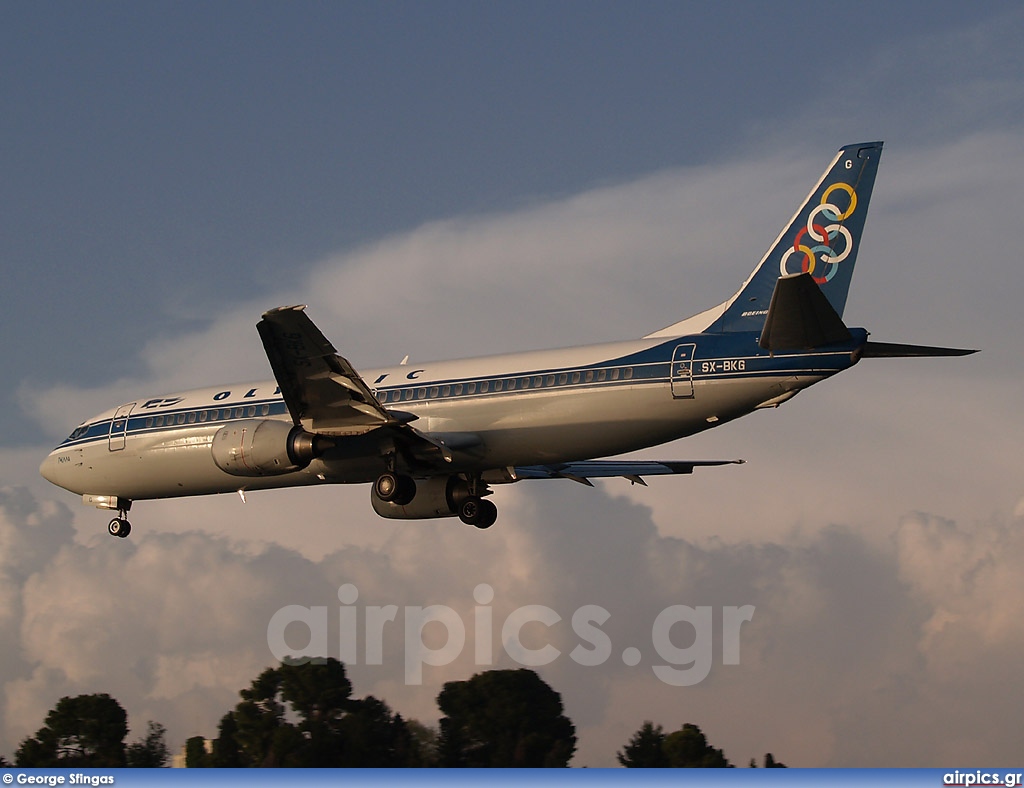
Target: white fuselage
[[519, 409]]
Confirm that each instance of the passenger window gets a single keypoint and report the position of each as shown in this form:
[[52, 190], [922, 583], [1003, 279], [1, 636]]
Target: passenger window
[[602, 375], [446, 391], [550, 381], [590, 376], [615, 374], [149, 423], [433, 391], [563, 379], [265, 410], [511, 384], [458, 389], [203, 415], [471, 388], [498, 385], [575, 377], [628, 374], [159, 421], [181, 418], [524, 383], [252, 412], [484, 386], [421, 394], [408, 395]]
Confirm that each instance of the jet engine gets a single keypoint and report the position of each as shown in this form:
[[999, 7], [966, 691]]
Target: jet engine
[[265, 447]]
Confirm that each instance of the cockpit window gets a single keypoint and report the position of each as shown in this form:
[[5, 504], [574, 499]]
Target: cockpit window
[[79, 432]]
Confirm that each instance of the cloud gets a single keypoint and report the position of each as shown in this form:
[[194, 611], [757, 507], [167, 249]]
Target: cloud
[[848, 642], [557, 272], [856, 634]]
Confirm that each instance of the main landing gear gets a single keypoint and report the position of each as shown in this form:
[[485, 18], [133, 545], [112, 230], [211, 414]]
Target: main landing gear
[[478, 512], [436, 497]]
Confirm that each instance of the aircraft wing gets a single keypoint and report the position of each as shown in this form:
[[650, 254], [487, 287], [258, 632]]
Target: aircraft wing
[[634, 470], [325, 394], [321, 389]]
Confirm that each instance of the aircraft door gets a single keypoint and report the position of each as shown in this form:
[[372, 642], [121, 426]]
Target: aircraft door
[[119, 427], [682, 371]]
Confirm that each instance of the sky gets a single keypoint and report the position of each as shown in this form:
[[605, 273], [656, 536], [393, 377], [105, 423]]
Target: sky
[[449, 179]]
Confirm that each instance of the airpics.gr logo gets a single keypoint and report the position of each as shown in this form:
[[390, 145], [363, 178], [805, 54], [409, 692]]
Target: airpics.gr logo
[[832, 242], [683, 666]]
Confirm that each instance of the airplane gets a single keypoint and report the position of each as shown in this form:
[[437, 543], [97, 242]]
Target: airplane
[[432, 439]]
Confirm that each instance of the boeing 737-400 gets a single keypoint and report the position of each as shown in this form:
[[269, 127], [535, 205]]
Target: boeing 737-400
[[434, 438]]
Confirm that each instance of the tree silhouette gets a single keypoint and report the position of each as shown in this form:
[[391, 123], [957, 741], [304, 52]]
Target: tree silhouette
[[330, 729], [196, 755], [645, 749], [425, 743], [87, 730], [151, 752], [685, 748], [504, 718], [688, 748], [226, 752]]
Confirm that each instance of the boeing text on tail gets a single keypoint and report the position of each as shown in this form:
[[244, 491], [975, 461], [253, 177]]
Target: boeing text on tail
[[433, 439]]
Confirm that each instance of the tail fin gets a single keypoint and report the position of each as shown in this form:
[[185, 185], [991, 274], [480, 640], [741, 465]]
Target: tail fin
[[821, 239]]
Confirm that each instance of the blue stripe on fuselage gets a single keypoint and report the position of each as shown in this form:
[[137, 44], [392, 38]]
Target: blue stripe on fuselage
[[717, 357]]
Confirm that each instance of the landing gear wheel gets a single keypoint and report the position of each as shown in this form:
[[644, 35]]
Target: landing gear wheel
[[478, 512], [395, 488], [119, 527]]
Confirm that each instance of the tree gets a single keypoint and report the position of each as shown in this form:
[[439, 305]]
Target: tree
[[151, 752], [688, 748], [504, 718], [303, 715], [685, 748], [373, 735], [645, 749], [226, 752], [263, 736], [87, 730], [425, 741], [196, 754]]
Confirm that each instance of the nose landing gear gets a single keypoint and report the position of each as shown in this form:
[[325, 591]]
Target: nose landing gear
[[119, 526]]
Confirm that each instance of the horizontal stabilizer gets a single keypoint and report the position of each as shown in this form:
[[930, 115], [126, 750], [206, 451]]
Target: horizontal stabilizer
[[801, 317], [891, 350]]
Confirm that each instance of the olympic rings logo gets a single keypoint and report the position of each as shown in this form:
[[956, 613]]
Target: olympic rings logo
[[832, 242]]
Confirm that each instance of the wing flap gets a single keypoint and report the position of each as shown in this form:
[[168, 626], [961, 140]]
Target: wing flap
[[634, 470], [322, 390]]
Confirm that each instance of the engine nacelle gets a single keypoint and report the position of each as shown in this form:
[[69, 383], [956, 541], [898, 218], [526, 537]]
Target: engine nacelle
[[438, 496], [265, 447]]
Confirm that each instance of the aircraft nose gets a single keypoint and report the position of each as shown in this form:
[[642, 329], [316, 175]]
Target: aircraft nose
[[51, 469], [48, 469]]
